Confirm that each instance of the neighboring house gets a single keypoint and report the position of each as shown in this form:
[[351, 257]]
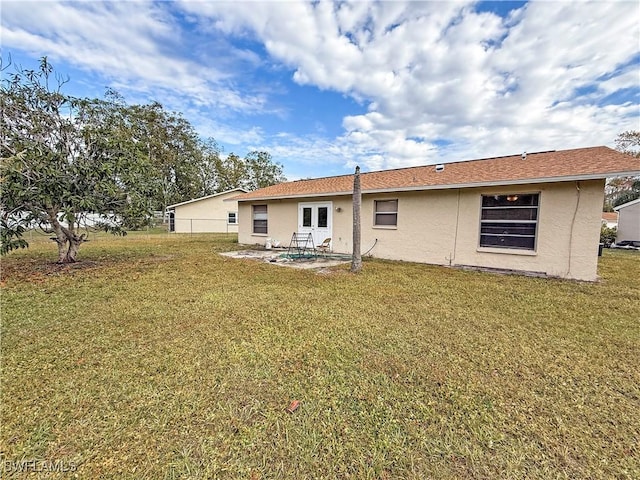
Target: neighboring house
[[628, 221], [213, 213], [610, 219], [538, 212]]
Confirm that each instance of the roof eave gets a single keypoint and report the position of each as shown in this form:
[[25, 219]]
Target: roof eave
[[206, 197], [293, 196], [628, 204], [501, 183]]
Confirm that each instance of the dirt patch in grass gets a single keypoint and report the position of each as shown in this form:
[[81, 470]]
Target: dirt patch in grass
[[36, 270]]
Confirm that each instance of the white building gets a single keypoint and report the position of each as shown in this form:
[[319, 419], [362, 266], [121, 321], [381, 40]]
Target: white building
[[215, 213]]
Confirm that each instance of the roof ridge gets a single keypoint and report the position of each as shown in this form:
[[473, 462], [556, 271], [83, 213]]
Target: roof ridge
[[445, 163], [463, 161], [588, 163]]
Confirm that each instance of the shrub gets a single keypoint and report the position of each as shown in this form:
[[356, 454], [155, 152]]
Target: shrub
[[607, 235]]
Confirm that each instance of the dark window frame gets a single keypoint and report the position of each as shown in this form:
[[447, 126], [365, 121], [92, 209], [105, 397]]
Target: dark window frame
[[260, 226], [510, 221]]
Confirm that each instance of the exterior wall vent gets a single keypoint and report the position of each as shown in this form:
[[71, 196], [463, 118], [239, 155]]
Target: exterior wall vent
[[439, 167]]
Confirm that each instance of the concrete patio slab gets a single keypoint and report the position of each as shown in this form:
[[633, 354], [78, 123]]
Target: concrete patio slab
[[279, 257]]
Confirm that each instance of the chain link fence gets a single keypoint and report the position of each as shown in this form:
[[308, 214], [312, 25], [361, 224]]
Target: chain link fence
[[201, 225]]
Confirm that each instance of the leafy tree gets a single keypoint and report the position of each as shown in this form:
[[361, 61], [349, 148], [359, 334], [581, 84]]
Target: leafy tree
[[210, 152], [629, 142], [607, 235], [262, 171], [69, 163], [231, 173], [624, 189], [168, 143], [256, 170], [61, 165]]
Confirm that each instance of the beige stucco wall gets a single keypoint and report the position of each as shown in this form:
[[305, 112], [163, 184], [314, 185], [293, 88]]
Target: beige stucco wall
[[206, 215], [283, 221], [442, 227], [629, 223], [568, 232]]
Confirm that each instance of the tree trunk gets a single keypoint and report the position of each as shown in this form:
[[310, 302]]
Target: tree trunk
[[62, 247], [356, 258], [68, 255], [66, 238]]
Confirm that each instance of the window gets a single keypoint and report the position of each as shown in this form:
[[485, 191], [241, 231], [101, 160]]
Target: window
[[386, 213], [232, 218], [306, 216], [323, 217], [260, 219], [509, 221]]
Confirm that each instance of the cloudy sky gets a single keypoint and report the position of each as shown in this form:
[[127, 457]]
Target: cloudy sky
[[324, 86]]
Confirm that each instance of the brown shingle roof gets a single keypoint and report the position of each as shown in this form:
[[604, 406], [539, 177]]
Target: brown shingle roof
[[576, 164]]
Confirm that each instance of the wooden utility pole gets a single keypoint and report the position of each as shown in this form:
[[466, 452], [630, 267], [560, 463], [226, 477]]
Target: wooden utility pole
[[356, 258]]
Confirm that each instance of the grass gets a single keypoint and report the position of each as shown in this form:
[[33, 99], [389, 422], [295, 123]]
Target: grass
[[157, 358]]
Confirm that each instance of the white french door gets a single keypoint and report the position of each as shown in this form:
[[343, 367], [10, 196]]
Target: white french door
[[315, 218]]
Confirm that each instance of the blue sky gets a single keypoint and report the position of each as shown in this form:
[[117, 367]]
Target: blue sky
[[325, 86]]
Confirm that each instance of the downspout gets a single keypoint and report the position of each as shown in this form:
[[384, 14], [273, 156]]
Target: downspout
[[452, 257], [573, 222]]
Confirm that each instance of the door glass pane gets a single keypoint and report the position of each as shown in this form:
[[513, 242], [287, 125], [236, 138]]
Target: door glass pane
[[323, 217], [306, 217]]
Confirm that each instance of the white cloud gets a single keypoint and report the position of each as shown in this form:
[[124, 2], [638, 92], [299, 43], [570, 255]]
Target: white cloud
[[430, 71], [438, 81], [135, 45]]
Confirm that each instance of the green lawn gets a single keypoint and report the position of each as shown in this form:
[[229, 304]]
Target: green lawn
[[157, 358]]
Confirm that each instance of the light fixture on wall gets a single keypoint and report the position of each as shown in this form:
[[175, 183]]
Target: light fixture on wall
[[512, 198], [338, 209]]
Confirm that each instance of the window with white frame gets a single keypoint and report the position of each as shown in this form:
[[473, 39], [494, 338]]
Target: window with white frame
[[509, 221], [232, 218], [260, 219], [386, 213]]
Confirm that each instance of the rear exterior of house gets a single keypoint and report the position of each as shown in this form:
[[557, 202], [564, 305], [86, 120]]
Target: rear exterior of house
[[211, 214], [446, 227], [628, 221], [476, 214]]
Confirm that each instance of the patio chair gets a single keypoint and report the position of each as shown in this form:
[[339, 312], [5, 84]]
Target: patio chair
[[325, 246]]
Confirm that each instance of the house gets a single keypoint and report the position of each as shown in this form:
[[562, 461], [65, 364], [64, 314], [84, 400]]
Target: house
[[628, 221], [213, 213], [537, 212], [610, 219]]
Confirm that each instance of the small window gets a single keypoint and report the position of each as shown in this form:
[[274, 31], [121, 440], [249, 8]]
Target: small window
[[306, 217], [232, 218], [323, 217], [386, 213], [260, 219], [509, 221]]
